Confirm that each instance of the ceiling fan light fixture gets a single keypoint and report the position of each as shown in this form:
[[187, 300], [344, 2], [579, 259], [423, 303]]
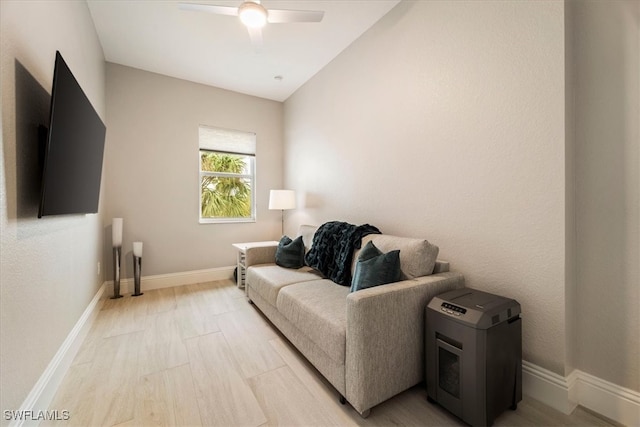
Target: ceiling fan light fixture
[[253, 15]]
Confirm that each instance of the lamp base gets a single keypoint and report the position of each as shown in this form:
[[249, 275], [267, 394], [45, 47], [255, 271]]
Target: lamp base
[[116, 272], [137, 268]]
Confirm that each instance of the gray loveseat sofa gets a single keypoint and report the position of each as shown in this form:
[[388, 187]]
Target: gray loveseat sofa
[[368, 344]]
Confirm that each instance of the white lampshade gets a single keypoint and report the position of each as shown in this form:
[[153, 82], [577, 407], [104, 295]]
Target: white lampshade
[[116, 232], [282, 199], [137, 248]]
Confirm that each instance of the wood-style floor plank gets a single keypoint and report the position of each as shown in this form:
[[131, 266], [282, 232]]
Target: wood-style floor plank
[[72, 396], [325, 396], [167, 398], [102, 392], [124, 315], [117, 372], [99, 329], [163, 347], [222, 297], [192, 314], [224, 398], [160, 300], [200, 355], [248, 336], [287, 402]]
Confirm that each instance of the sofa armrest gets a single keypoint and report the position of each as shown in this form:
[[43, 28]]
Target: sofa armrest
[[441, 266], [260, 255], [385, 337]]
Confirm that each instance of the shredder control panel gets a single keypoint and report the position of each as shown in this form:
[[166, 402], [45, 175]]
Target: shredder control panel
[[452, 309], [475, 308]]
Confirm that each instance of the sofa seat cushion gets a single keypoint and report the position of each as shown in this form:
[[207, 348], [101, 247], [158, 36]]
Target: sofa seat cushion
[[268, 279], [319, 310]]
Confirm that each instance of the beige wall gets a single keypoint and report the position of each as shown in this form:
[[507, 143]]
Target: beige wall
[[48, 268], [446, 121], [152, 168], [506, 133], [606, 104]]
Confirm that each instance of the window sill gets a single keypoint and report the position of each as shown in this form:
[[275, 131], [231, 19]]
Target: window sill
[[225, 220]]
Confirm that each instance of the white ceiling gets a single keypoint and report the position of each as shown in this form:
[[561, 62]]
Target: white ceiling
[[156, 36]]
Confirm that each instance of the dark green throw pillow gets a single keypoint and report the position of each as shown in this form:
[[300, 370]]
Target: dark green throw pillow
[[375, 268], [290, 253]]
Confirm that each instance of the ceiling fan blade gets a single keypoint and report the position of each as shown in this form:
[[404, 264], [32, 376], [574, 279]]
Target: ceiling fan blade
[[210, 8], [255, 34], [277, 16]]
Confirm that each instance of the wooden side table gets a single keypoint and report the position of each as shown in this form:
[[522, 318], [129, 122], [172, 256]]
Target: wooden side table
[[241, 249]]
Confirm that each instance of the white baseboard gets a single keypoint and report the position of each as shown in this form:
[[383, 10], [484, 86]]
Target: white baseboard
[[617, 403], [161, 281], [547, 387], [45, 388], [579, 388]]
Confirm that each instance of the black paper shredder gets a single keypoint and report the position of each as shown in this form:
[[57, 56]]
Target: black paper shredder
[[474, 354]]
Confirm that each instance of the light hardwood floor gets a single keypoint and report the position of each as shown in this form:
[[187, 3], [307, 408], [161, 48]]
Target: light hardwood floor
[[201, 355]]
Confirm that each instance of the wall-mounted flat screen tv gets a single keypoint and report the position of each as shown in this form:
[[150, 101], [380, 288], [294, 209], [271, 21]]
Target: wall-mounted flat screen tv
[[73, 150]]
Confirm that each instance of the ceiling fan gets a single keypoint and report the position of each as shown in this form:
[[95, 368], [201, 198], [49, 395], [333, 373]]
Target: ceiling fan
[[255, 16]]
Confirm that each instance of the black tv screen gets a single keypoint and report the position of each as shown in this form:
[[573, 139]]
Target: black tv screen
[[73, 150]]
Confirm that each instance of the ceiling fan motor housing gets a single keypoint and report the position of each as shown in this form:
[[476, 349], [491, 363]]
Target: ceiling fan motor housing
[[252, 14]]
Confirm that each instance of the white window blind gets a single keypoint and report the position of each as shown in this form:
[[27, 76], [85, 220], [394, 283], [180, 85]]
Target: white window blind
[[227, 140]]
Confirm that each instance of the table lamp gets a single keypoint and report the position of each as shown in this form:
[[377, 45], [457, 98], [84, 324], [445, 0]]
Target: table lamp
[[283, 200]]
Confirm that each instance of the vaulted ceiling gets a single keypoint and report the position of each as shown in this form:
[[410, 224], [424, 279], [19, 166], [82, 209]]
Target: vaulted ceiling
[[157, 36]]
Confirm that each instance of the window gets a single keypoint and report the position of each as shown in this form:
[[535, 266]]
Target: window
[[227, 175]]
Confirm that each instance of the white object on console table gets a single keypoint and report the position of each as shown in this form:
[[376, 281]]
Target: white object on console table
[[242, 252]]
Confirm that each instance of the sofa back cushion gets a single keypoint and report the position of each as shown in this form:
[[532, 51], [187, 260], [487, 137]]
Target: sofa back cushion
[[307, 232], [417, 256]]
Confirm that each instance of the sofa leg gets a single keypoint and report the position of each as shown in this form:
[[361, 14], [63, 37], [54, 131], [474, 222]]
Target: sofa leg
[[343, 400], [365, 414]]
